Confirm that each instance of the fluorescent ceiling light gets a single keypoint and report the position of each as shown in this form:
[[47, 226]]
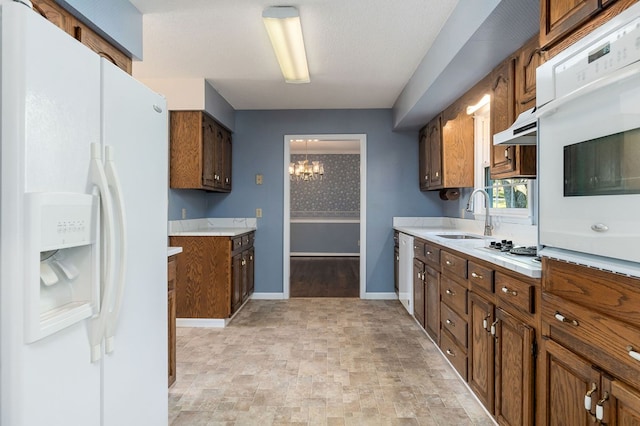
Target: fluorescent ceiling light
[[285, 32]]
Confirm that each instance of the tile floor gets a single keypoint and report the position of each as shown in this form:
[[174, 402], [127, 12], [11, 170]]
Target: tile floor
[[317, 362]]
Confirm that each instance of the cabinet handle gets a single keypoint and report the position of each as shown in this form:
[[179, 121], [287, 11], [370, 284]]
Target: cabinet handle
[[506, 153], [437, 174], [244, 262], [451, 323], [429, 253], [600, 408], [474, 275], [426, 178], [448, 262], [226, 180], [562, 318], [397, 257], [450, 293], [415, 247], [633, 354], [587, 397], [506, 290], [451, 353], [485, 322], [493, 328], [250, 257]]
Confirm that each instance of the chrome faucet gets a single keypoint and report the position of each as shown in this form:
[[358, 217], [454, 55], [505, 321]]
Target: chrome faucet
[[487, 219]]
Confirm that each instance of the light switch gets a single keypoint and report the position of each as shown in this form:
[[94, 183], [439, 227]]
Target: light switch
[[258, 179], [258, 212]]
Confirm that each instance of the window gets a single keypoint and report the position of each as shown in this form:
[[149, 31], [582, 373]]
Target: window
[[511, 199]]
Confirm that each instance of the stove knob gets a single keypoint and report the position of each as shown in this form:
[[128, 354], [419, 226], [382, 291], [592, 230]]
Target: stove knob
[[498, 245], [493, 244], [510, 243], [504, 241]]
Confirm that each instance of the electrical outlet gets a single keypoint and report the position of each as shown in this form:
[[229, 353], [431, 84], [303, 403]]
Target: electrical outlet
[[258, 212], [184, 213], [258, 179]]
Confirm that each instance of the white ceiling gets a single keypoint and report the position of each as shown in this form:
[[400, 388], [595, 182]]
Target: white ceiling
[[361, 53], [413, 56]]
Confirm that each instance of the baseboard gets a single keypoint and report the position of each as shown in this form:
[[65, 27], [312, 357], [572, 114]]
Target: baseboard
[[268, 296], [202, 322], [380, 296]]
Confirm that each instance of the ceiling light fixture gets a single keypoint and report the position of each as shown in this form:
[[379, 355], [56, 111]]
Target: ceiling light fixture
[[285, 33], [305, 170]]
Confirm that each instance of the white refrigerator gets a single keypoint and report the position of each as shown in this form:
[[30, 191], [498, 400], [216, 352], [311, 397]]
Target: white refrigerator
[[83, 234]]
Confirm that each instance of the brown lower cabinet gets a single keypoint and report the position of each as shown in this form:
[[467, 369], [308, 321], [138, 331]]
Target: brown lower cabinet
[[215, 275], [171, 317], [485, 319], [590, 346]]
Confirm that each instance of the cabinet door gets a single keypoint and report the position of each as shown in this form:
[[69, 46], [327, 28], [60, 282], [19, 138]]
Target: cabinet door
[[432, 303], [208, 153], [423, 158], [502, 116], [435, 153], [529, 58], [418, 291], [218, 161], [54, 13], [559, 17], [396, 268], [514, 364], [623, 405], [481, 349], [226, 161], [93, 41], [250, 271], [236, 282], [568, 378]]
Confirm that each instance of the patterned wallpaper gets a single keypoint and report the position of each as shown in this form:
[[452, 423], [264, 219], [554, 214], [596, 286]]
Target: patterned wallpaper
[[336, 195]]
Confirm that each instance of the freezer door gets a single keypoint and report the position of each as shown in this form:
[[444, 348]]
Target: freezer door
[[135, 129], [50, 115]]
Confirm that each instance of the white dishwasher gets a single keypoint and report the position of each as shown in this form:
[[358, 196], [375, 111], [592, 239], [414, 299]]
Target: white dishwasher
[[405, 272]]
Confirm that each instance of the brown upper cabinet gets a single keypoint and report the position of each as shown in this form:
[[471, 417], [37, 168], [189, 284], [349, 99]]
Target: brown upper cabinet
[[76, 29], [200, 152], [563, 22], [446, 150], [513, 90]]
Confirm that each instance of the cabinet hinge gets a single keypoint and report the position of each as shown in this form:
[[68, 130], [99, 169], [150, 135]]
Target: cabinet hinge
[[534, 349]]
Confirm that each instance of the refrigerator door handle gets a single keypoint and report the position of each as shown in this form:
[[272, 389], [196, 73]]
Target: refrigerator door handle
[[98, 322], [116, 190]]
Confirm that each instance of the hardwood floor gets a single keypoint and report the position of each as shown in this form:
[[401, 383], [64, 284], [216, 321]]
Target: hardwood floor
[[325, 277]]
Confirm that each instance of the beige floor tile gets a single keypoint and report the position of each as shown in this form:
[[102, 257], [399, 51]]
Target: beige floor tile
[[317, 362]]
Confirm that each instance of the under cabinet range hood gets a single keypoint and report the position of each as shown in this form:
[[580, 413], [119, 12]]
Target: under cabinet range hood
[[523, 131]]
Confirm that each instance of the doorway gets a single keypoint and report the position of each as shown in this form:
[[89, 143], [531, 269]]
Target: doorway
[[324, 236]]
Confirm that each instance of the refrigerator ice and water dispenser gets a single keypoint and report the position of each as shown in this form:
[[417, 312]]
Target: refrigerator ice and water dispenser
[[62, 284]]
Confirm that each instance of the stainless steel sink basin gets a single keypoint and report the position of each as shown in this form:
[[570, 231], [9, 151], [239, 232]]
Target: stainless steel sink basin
[[459, 236]]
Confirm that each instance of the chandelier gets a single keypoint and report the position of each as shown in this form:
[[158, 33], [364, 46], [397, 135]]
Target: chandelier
[[304, 170]]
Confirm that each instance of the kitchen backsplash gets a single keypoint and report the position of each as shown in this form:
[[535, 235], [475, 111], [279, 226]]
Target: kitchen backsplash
[[336, 195]]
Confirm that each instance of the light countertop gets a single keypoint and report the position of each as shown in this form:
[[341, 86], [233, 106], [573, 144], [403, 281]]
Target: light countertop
[[474, 247], [172, 251], [212, 227]]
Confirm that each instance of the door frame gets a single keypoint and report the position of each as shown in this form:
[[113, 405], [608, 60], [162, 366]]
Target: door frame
[[286, 237]]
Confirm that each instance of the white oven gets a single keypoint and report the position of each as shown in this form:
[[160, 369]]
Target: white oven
[[589, 143]]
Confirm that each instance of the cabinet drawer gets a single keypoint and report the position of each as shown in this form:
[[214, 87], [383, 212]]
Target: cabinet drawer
[[236, 243], [454, 354], [480, 277], [599, 338], [454, 295], [418, 248], [246, 240], [617, 296], [515, 292], [456, 265], [455, 324], [432, 255]]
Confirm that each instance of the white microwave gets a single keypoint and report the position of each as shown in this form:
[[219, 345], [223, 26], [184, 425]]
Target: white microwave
[[589, 143]]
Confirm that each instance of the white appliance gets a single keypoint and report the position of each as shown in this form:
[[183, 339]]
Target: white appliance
[[405, 273], [589, 143], [83, 227]]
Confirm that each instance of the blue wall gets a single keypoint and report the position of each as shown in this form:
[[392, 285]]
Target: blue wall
[[195, 202], [392, 183]]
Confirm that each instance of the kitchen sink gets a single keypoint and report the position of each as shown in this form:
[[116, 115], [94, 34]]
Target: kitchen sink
[[459, 236]]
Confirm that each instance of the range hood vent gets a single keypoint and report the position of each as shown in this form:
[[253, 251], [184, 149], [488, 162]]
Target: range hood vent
[[523, 131]]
